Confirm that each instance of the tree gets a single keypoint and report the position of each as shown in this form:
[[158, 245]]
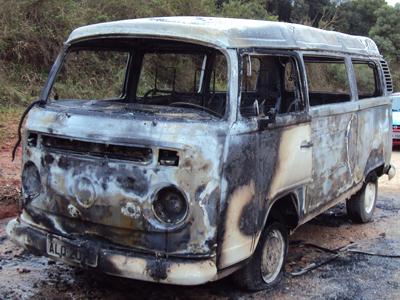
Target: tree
[[246, 10], [386, 32], [358, 16], [314, 13], [282, 9]]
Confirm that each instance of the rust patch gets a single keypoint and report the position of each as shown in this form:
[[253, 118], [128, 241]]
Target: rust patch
[[157, 269]]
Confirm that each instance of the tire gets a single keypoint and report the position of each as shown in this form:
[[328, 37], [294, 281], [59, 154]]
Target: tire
[[255, 276], [360, 208]]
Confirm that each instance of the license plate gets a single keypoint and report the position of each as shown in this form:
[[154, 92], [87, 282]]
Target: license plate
[[396, 135], [70, 252]]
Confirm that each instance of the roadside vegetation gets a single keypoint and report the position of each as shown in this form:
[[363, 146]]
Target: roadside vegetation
[[8, 116], [32, 31]]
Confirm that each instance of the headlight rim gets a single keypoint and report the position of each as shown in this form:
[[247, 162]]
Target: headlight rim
[[27, 194], [185, 200]]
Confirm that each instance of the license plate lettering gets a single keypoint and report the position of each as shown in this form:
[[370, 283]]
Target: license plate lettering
[[62, 251], [70, 252]]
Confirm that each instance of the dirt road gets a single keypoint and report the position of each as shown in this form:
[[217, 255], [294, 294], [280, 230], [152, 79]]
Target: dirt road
[[9, 171], [349, 276]]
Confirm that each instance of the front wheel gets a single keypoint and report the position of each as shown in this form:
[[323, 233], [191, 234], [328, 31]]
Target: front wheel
[[265, 268], [360, 208]]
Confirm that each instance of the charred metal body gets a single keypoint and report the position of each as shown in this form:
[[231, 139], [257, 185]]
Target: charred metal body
[[178, 195]]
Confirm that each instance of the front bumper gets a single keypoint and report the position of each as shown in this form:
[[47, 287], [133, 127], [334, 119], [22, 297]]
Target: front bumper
[[123, 263]]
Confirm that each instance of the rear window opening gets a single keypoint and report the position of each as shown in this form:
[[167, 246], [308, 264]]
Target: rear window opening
[[328, 81], [148, 72], [367, 77]]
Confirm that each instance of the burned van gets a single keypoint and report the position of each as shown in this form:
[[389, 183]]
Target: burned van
[[181, 150]]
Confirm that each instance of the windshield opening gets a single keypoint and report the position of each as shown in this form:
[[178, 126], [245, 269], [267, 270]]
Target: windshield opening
[[91, 75], [149, 73]]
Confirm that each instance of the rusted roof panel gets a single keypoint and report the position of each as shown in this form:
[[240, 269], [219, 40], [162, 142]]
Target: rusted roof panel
[[233, 33]]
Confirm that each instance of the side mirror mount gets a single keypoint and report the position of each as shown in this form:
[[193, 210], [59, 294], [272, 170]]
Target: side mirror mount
[[256, 108], [269, 118], [249, 70]]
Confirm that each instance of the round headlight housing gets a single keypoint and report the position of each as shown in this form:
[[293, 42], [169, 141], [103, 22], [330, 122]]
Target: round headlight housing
[[31, 182], [170, 206]]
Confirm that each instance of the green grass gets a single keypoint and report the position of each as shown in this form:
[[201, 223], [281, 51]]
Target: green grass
[[9, 118], [32, 33]]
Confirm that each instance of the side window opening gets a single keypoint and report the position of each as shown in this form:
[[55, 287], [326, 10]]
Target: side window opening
[[368, 83], [270, 84], [328, 81]]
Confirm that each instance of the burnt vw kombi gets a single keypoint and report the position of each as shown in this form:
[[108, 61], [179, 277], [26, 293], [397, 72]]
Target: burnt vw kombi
[[181, 150]]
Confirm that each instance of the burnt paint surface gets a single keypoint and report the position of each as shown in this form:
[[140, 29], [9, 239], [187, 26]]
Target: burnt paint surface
[[254, 156], [256, 171], [335, 140], [116, 260], [374, 127], [230, 176], [112, 199], [261, 166], [351, 144]]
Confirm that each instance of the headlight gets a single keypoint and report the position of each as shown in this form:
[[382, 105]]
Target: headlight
[[170, 206], [31, 180]]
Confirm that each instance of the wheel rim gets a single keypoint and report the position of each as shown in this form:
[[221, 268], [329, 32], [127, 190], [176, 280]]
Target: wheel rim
[[273, 256], [369, 197]]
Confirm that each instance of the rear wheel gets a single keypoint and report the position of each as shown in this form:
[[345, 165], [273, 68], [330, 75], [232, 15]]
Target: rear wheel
[[264, 270], [360, 208]]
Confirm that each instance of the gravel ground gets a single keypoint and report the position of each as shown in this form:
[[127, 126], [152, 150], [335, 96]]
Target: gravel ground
[[349, 276]]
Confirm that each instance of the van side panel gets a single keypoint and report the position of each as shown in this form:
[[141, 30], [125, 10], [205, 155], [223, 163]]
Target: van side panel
[[247, 176], [350, 142], [374, 138], [261, 165], [334, 134]]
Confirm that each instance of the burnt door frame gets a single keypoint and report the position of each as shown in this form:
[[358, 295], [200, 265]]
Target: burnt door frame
[[334, 136]]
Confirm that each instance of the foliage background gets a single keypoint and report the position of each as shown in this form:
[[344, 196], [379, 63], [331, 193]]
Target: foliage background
[[32, 31]]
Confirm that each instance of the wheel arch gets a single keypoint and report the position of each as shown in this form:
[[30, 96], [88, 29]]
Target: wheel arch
[[375, 164], [284, 209]]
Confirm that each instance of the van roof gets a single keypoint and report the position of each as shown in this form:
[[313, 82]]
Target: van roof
[[232, 33]]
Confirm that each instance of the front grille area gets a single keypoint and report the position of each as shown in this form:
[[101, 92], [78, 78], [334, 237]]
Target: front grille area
[[137, 154]]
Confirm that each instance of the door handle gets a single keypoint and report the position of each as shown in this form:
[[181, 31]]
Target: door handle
[[306, 144]]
